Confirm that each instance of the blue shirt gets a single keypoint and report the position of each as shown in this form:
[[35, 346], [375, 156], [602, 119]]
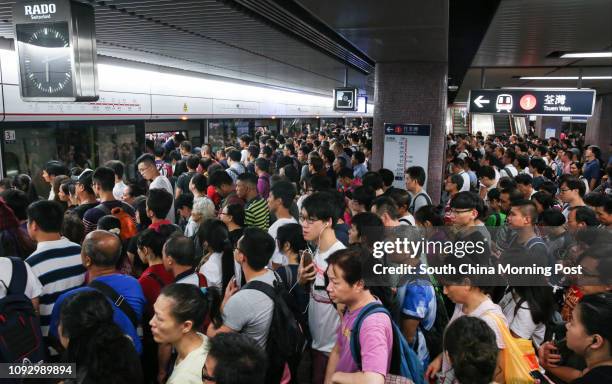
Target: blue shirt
[[359, 170], [126, 286], [591, 170]]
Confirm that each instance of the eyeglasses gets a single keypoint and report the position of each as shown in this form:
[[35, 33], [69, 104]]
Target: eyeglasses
[[307, 220], [564, 190]]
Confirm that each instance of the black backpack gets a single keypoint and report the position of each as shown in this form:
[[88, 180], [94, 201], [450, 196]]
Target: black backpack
[[286, 339], [20, 335], [435, 335]]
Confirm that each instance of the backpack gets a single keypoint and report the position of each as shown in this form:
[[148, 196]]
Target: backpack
[[405, 364], [412, 205], [21, 339], [286, 339], [128, 226], [435, 335]]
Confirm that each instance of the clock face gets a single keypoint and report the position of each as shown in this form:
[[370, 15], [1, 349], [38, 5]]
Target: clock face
[[45, 60]]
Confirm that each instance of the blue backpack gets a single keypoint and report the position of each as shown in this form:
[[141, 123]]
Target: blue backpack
[[404, 361]]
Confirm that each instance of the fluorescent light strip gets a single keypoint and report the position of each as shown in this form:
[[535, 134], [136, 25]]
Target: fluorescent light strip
[[565, 78], [585, 55]]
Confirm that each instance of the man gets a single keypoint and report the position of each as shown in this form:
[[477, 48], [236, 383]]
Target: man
[[415, 180], [184, 206], [148, 170], [100, 253], [236, 168], [318, 217], [537, 166], [50, 171], [158, 203], [86, 196], [103, 182], [178, 257], [347, 286], [118, 167], [386, 208], [185, 149], [361, 200], [528, 248], [280, 201], [222, 366], [56, 262], [457, 168], [263, 177], [524, 184], [509, 169], [488, 181], [244, 141], [338, 150], [452, 187], [580, 218], [359, 168], [571, 192], [182, 184], [256, 213], [591, 168], [224, 186], [604, 212], [253, 153], [249, 311]]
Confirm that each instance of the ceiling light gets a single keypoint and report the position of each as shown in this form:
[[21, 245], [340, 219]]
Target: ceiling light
[[565, 78], [585, 55]]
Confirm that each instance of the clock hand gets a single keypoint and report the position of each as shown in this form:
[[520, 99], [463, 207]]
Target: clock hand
[[49, 59], [47, 71]]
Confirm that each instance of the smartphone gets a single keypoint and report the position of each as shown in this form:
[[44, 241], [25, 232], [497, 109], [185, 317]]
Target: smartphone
[[538, 376], [307, 257]]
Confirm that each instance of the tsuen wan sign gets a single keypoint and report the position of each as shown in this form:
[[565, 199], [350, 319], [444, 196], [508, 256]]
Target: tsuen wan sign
[[544, 102]]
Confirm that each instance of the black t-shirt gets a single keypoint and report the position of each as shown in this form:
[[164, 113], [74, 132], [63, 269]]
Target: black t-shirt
[[597, 375], [183, 181], [82, 208]]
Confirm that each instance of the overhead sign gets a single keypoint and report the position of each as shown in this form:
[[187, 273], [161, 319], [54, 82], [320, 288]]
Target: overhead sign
[[345, 99], [56, 47], [405, 145], [560, 102]]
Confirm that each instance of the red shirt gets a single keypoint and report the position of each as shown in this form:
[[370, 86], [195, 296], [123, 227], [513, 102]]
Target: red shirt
[[151, 287], [155, 226]]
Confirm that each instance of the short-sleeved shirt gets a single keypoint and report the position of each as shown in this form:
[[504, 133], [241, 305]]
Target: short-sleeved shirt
[[212, 270], [81, 209], [250, 311], [257, 214], [150, 285], [520, 321], [591, 170], [162, 182], [375, 340], [33, 288], [183, 181], [189, 370], [124, 285], [92, 216], [277, 256]]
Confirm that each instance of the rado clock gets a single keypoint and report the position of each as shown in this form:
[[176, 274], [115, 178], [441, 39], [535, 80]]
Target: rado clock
[[56, 48]]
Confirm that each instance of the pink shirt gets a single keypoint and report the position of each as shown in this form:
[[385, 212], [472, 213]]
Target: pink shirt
[[375, 339]]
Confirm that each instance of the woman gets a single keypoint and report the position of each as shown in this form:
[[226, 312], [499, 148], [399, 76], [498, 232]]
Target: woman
[[217, 265], [57, 182], [180, 311], [64, 194], [233, 217], [203, 208], [576, 171], [366, 228], [14, 241], [589, 334], [291, 243], [93, 341], [142, 220]]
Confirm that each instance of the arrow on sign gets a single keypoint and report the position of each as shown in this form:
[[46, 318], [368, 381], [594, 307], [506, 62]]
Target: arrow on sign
[[479, 101]]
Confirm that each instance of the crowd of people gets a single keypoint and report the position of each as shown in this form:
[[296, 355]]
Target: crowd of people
[[252, 264]]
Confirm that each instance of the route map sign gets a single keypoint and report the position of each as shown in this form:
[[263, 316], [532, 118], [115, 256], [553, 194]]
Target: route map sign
[[405, 145], [549, 102]]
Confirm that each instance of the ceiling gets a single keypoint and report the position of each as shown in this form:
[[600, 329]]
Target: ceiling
[[524, 32], [217, 37]]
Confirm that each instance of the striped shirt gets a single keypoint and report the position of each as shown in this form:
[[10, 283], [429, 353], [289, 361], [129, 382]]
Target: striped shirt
[[257, 214], [58, 266]]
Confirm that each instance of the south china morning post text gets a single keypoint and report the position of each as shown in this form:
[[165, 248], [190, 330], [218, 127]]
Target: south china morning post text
[[470, 269]]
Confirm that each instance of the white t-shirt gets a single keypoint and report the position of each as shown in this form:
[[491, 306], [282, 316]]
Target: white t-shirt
[[189, 370], [211, 269], [33, 288], [162, 182], [118, 190], [277, 256], [407, 220], [522, 323], [466, 181], [323, 318]]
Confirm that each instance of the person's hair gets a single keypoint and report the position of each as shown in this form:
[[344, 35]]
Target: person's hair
[[342, 161], [594, 199], [181, 249], [585, 215], [372, 180], [199, 182], [285, 191], [105, 177], [487, 171], [237, 213], [155, 239], [191, 303], [417, 173], [68, 187], [159, 151], [140, 206], [239, 359], [544, 198], [55, 168], [465, 200], [364, 196], [47, 214], [329, 155], [248, 178], [117, 166], [184, 200], [145, 158], [552, 217], [22, 182], [346, 172], [319, 183], [472, 348], [574, 183], [291, 173], [359, 156], [87, 320], [291, 233], [320, 205], [214, 232], [369, 228], [458, 162], [159, 202], [17, 200], [257, 246], [102, 256], [523, 179], [387, 176], [527, 208], [538, 164], [262, 164], [385, 204], [136, 189], [513, 194], [510, 154], [350, 261], [540, 300], [317, 164], [506, 183], [401, 197], [73, 228], [234, 155], [596, 314], [218, 179], [186, 145], [109, 223], [192, 162], [429, 213], [457, 179], [253, 150], [493, 194]]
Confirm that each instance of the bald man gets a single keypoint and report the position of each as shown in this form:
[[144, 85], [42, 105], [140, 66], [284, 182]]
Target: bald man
[[100, 253]]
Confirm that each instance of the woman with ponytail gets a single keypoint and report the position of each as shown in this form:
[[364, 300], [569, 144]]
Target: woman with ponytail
[[180, 313], [92, 340], [218, 264]]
